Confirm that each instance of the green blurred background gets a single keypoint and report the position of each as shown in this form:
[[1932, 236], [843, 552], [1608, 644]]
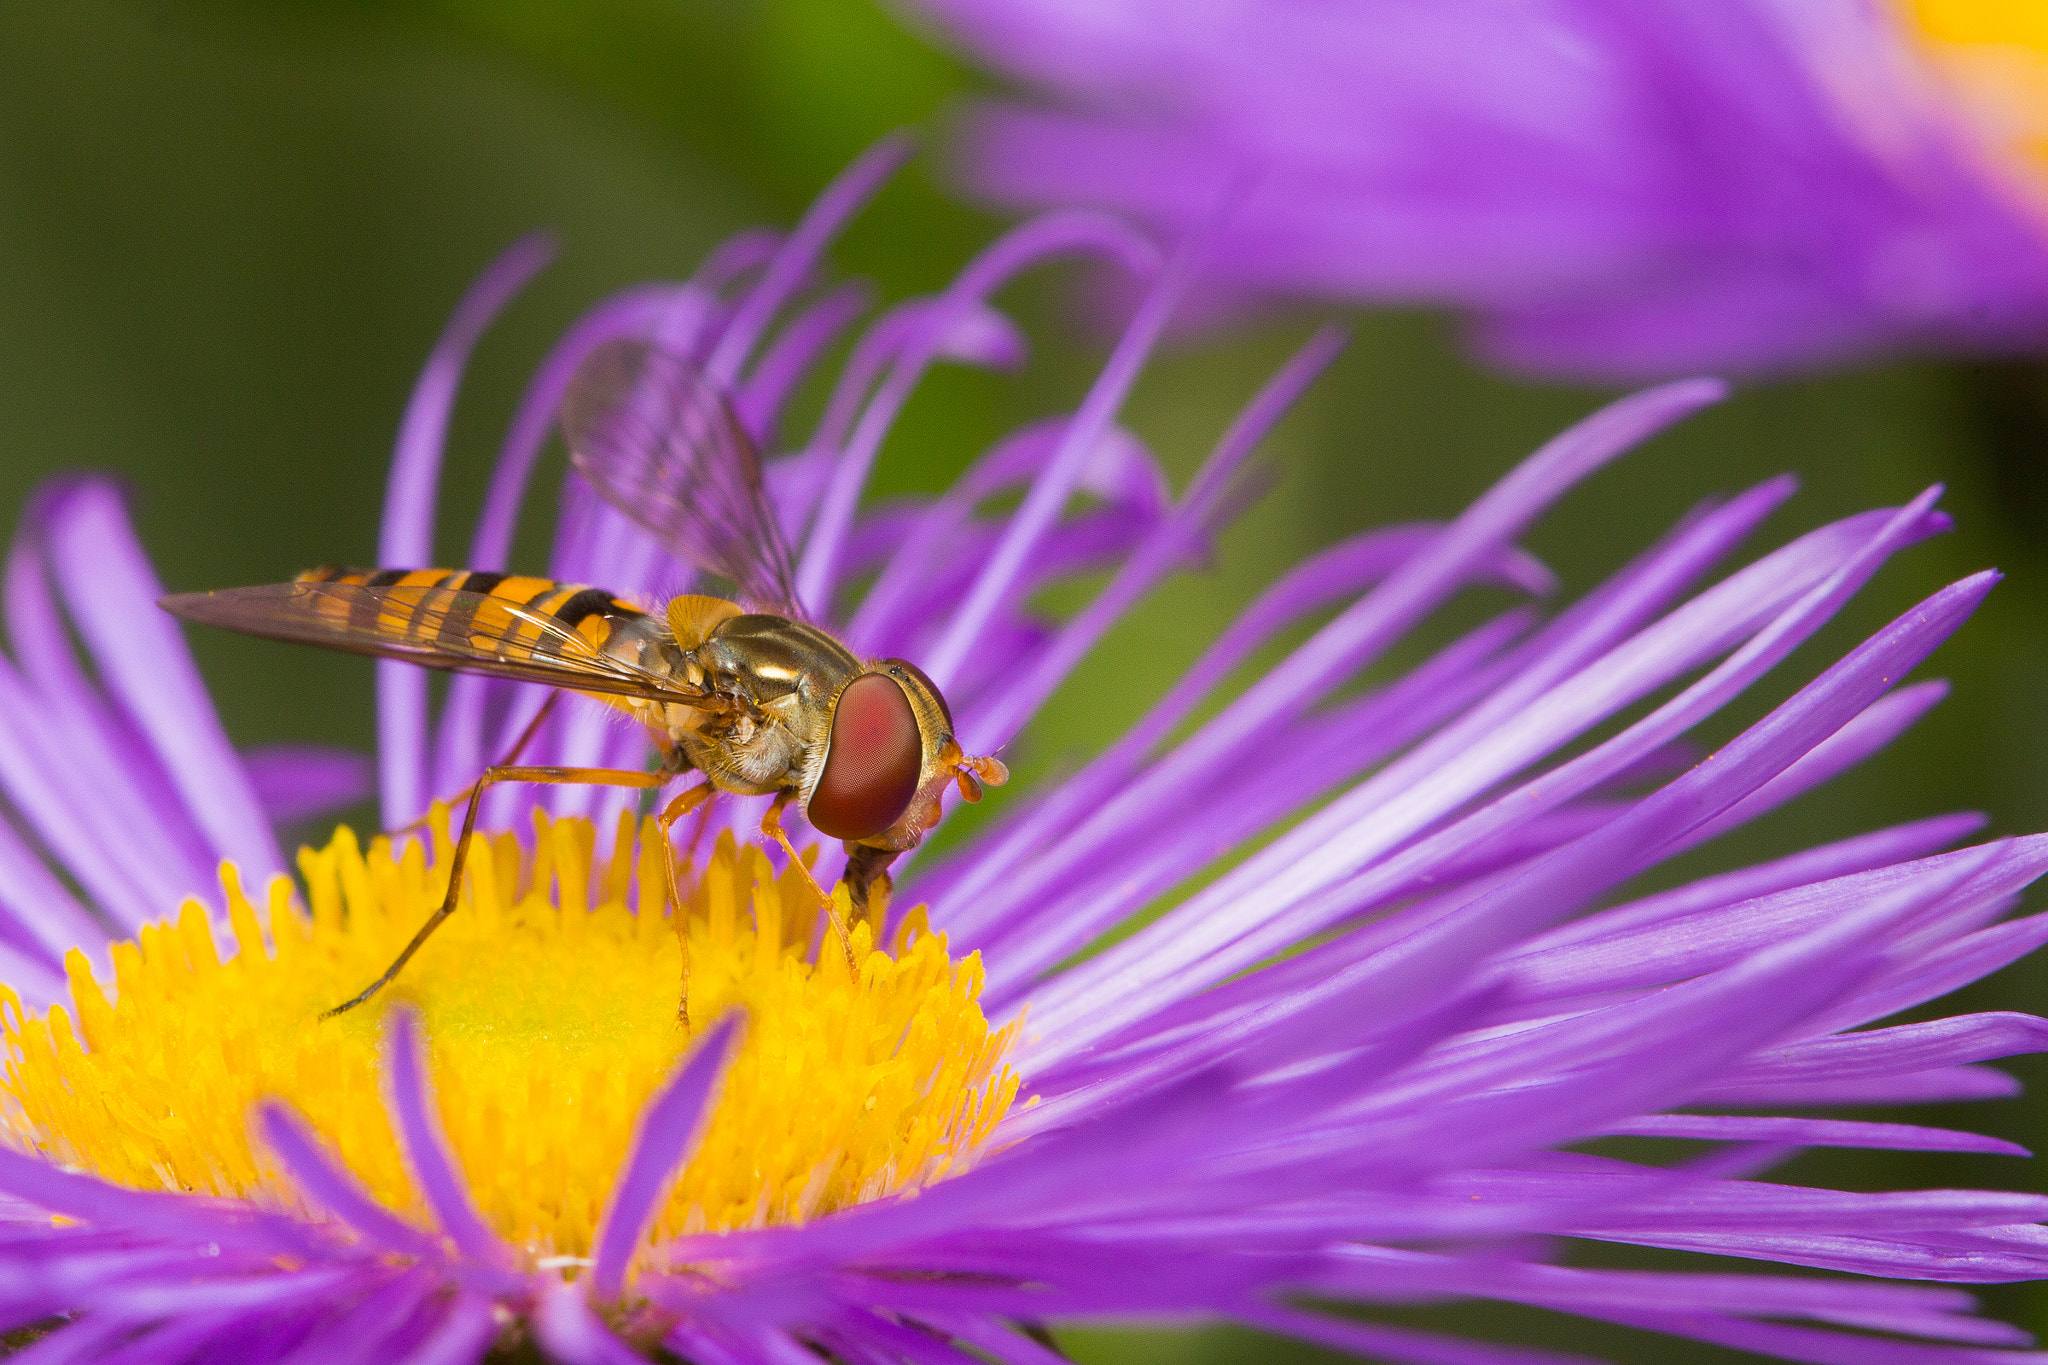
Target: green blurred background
[[229, 232]]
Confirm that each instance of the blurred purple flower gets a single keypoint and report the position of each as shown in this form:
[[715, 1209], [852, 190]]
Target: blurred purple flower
[[1606, 189], [1222, 1125]]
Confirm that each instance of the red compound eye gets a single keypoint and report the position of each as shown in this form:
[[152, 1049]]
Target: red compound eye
[[872, 762]]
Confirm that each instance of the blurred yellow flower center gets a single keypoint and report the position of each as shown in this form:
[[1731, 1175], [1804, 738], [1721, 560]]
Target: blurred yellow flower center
[[549, 1001], [1995, 52]]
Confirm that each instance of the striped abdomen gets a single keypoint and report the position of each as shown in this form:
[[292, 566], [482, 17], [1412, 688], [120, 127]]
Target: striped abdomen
[[458, 607]]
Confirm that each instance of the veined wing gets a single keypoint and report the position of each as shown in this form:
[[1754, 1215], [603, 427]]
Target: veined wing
[[657, 439], [434, 627]]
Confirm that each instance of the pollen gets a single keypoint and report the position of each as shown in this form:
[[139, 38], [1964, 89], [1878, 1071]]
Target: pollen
[[550, 1004]]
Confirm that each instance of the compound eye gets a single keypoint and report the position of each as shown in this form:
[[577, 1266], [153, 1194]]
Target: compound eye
[[872, 761]]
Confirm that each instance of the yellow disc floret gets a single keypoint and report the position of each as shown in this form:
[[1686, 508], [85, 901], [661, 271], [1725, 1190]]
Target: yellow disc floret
[[550, 1004]]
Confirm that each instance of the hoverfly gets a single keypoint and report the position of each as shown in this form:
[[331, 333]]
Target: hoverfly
[[757, 697]]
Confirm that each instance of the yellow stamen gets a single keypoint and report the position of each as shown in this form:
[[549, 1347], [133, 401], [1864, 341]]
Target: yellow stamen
[[1995, 55], [550, 1021]]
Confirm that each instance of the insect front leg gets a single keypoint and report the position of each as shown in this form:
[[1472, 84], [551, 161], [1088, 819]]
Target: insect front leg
[[771, 825], [597, 777]]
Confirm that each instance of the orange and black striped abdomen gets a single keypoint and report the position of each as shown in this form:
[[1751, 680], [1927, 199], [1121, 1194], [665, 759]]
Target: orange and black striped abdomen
[[462, 606]]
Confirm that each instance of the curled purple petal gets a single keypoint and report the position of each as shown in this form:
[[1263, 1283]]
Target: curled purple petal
[[1023, 247], [795, 258], [1049, 491]]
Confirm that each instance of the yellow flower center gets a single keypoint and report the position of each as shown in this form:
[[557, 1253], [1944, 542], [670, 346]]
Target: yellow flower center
[[549, 1001], [1995, 54]]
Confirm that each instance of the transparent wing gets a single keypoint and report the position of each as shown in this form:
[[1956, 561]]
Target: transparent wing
[[433, 627], [657, 439]]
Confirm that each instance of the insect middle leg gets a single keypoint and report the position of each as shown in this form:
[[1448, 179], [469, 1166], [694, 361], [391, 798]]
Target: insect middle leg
[[689, 800], [599, 777]]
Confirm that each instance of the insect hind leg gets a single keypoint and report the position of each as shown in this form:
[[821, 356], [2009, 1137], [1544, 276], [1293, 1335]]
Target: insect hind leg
[[526, 737], [597, 777]]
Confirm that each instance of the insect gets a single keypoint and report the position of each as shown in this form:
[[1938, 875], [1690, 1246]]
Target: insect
[[750, 692]]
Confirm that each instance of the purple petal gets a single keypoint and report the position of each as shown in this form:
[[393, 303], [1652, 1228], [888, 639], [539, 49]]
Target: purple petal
[[1668, 948], [1022, 247], [995, 1338], [1906, 1049], [1370, 625], [573, 1334], [799, 253], [1877, 727], [1049, 492], [1694, 1030], [296, 782], [1812, 1133], [668, 1128], [986, 337], [1187, 938], [85, 746], [996, 725], [143, 662], [327, 1183], [768, 387], [1942, 1085], [1405, 1344], [1120, 881], [1901, 843], [1947, 968], [376, 1326], [47, 793], [93, 1201], [1804, 1344], [462, 1336], [1915, 1310], [43, 917], [1541, 166], [407, 538], [978, 893], [426, 1147]]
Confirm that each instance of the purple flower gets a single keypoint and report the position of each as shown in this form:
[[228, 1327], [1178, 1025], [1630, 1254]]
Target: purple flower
[[1606, 189], [1396, 982]]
